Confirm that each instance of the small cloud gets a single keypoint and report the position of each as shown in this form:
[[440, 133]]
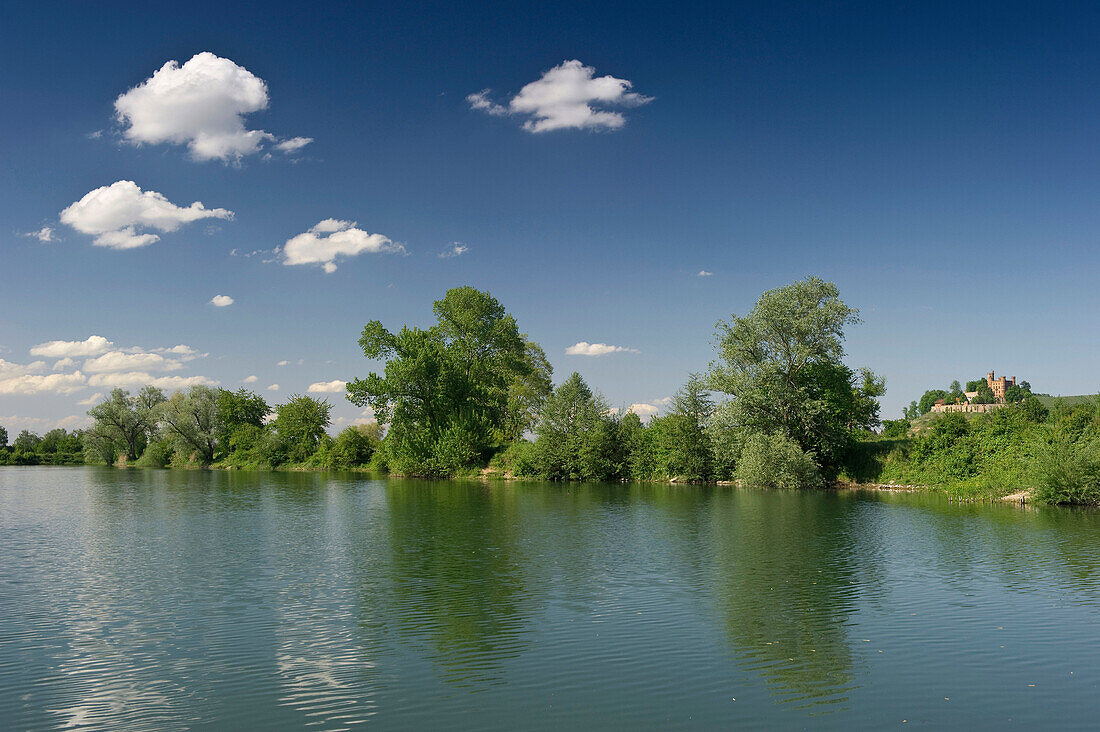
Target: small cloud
[[330, 239], [221, 301], [284, 362], [704, 273], [643, 410], [65, 363], [273, 387], [251, 379], [293, 145], [584, 348], [568, 96], [94, 135], [90, 401], [456, 249], [664, 401], [327, 387], [45, 235]]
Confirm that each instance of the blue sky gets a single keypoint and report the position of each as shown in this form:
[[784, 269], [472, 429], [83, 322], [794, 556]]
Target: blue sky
[[939, 163]]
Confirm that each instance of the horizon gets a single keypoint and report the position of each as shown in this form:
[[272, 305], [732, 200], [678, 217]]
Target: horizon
[[620, 184]]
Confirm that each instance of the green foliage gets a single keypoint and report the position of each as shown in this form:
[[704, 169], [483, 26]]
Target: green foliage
[[781, 363], [193, 422], [895, 428], [985, 395], [128, 420], [3, 438], [575, 435], [450, 393], [518, 459], [973, 385], [929, 399], [236, 409], [300, 424], [1069, 472], [355, 445], [776, 461]]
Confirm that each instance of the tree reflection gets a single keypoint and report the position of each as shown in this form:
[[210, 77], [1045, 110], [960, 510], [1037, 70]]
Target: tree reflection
[[787, 584]]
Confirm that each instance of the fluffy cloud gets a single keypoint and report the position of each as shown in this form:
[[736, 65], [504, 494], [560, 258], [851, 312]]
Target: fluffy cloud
[[294, 144], [328, 387], [138, 379], [64, 363], [45, 234], [456, 249], [119, 214], [15, 422], [273, 387], [284, 362], [91, 346], [91, 401], [29, 383], [568, 96], [251, 379], [122, 361], [643, 410], [332, 238], [221, 301], [704, 273], [201, 104], [584, 348]]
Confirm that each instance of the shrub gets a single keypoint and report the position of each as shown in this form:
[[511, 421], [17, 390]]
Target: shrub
[[776, 461], [1069, 472], [517, 459]]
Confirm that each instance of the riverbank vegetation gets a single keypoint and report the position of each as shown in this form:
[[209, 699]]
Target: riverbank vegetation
[[473, 395]]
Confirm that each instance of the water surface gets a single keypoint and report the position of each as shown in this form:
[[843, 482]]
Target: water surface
[[184, 599]]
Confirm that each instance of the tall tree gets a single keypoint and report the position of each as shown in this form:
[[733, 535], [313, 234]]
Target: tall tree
[[238, 409], [445, 390], [193, 422], [128, 419], [301, 422], [782, 365], [689, 452]]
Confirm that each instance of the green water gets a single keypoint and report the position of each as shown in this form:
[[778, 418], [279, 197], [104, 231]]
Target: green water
[[176, 600]]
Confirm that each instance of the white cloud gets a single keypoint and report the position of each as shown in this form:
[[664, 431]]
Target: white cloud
[[456, 249], [273, 387], [284, 362], [664, 401], [91, 401], [91, 346], [136, 379], [294, 144], [15, 423], [201, 104], [222, 301], [343, 240], [584, 348], [328, 387], [251, 379], [187, 353], [568, 96], [704, 273], [65, 363], [118, 213], [122, 361], [45, 234], [28, 383], [643, 410]]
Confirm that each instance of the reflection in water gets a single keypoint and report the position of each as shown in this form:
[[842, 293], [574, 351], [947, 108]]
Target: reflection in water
[[192, 599], [787, 582]]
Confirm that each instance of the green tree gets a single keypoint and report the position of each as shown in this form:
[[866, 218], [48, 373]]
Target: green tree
[[301, 422], [781, 364], [445, 392], [973, 385], [929, 399], [3, 438], [688, 453], [193, 423], [985, 394], [26, 442], [238, 409], [911, 412], [355, 445], [129, 420], [527, 392], [572, 437]]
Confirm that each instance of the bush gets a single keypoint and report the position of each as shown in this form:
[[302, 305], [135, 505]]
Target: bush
[[158, 454], [1069, 472], [776, 461], [517, 459]]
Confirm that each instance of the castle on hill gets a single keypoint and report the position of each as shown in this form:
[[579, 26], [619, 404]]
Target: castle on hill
[[997, 386]]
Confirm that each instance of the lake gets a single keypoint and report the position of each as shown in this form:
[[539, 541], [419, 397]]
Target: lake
[[186, 599]]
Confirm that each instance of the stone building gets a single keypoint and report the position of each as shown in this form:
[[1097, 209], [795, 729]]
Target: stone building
[[998, 386]]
